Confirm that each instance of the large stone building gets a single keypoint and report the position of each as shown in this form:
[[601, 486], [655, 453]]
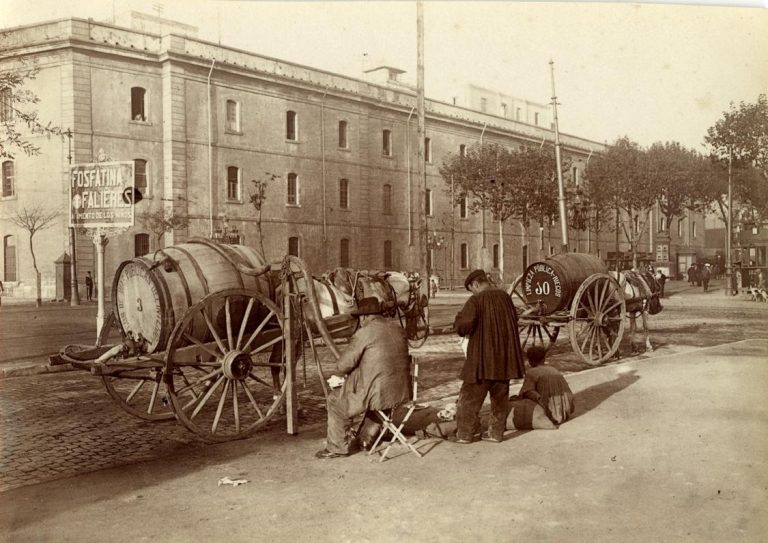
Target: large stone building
[[201, 122]]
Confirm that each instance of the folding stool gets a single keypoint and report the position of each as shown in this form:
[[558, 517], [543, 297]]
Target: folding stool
[[389, 426]]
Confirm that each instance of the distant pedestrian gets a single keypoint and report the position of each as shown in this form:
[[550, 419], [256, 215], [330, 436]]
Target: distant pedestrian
[[692, 275], [88, 286], [494, 357], [705, 275]]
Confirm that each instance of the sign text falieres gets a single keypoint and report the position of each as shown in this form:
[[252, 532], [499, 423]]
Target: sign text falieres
[[96, 195]]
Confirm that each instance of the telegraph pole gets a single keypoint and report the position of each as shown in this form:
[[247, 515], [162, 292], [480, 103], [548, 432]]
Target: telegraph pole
[[560, 187], [74, 296], [421, 134], [728, 254]]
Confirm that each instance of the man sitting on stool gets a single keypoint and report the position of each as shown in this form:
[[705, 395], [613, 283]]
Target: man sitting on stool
[[376, 371]]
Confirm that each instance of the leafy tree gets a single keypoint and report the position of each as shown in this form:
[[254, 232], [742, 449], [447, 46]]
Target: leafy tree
[[623, 175], [508, 183], [741, 134], [258, 197], [742, 131], [17, 108], [677, 175], [33, 220]]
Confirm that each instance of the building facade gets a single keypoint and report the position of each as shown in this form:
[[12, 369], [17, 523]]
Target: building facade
[[204, 124]]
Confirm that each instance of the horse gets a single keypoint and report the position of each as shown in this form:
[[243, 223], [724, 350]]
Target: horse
[[642, 294]]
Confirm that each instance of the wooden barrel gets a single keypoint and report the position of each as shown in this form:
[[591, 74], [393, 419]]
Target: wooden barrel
[[153, 292], [551, 284]]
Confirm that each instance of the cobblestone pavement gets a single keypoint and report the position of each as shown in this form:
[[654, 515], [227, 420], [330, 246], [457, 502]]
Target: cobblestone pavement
[[59, 425]]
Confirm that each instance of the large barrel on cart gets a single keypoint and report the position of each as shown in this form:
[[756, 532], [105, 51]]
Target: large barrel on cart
[[197, 332], [576, 291], [152, 293]]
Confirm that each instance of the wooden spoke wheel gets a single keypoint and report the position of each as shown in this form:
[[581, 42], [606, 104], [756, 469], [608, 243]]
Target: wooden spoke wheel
[[416, 322], [240, 380], [534, 329], [138, 387], [597, 318]]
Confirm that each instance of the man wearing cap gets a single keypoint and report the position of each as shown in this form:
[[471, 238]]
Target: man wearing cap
[[706, 273], [494, 357], [376, 370]]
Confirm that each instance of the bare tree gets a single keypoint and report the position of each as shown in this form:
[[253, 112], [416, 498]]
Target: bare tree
[[161, 221], [257, 197], [34, 219]]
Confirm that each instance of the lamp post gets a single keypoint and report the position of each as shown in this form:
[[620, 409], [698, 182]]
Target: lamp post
[[434, 242], [225, 233], [74, 298]]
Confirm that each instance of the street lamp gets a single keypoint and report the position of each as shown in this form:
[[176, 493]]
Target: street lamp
[[225, 234], [434, 242]]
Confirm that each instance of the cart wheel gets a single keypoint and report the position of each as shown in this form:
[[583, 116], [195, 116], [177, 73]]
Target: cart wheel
[[139, 391], [533, 331], [417, 322], [597, 318], [240, 358]]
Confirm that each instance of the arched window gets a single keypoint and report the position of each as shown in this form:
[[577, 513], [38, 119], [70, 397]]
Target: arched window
[[344, 193], [293, 246], [387, 255], [292, 197], [291, 128], [427, 150], [694, 232], [463, 208], [138, 104], [233, 183], [233, 116], [462, 150], [344, 253], [680, 228], [428, 202], [8, 177], [343, 134], [140, 173], [496, 255], [464, 255], [9, 258], [140, 244], [386, 195]]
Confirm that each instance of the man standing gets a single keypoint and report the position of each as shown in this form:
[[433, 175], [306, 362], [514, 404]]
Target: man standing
[[494, 357], [88, 286], [376, 370], [705, 275]]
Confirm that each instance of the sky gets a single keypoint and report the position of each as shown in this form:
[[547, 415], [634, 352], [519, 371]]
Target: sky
[[651, 72]]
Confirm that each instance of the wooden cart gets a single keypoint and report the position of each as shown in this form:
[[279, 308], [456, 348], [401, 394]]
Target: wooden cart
[[208, 334], [573, 291]]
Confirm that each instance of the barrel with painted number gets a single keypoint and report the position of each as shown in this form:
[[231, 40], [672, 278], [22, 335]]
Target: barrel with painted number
[[550, 285], [152, 293]]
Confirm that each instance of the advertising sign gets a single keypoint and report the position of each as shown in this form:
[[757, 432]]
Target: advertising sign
[[97, 192], [662, 252]]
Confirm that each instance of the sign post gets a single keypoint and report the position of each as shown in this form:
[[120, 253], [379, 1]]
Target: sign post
[[101, 196]]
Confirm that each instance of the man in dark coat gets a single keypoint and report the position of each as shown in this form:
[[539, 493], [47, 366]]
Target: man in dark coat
[[494, 357], [377, 371]]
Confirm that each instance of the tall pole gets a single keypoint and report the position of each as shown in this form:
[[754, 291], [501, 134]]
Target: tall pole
[[74, 296], [560, 186], [728, 255], [453, 230], [421, 130]]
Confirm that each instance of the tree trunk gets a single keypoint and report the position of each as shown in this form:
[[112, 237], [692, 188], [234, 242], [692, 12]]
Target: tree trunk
[[38, 280], [501, 252]]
